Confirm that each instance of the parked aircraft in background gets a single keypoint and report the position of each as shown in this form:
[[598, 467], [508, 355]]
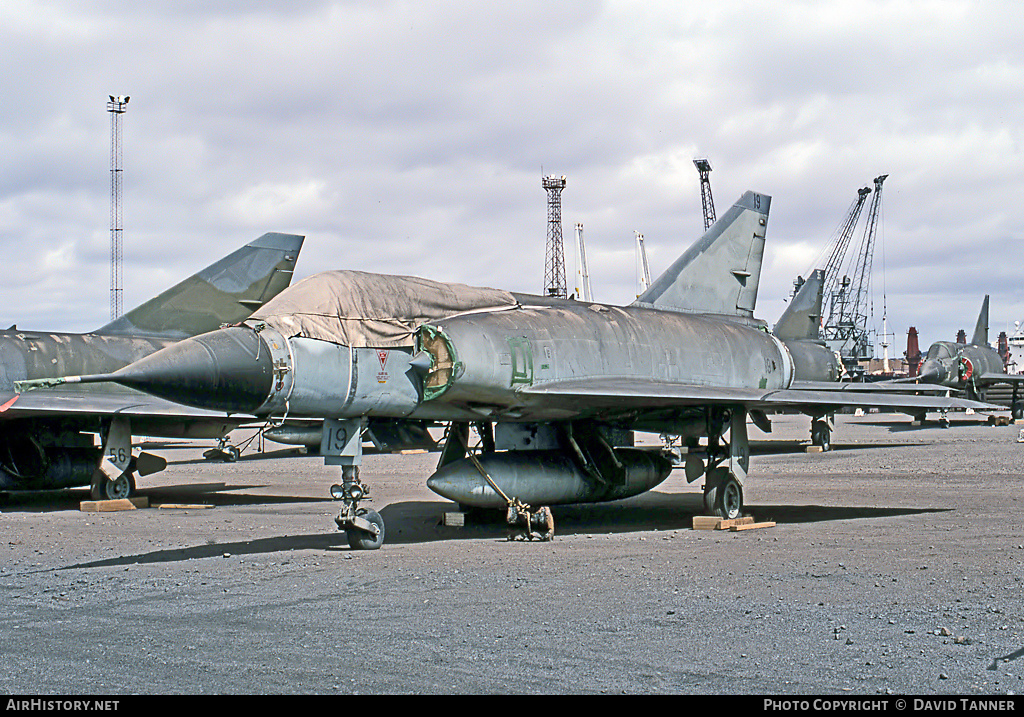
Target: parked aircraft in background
[[47, 438], [969, 367]]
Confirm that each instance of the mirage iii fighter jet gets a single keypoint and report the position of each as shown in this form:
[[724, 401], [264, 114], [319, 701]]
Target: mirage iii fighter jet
[[555, 387], [46, 439], [970, 367]]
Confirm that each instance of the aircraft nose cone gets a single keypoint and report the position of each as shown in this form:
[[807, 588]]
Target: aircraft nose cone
[[225, 370], [932, 371]]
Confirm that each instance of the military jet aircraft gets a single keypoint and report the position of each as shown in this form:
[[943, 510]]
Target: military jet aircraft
[[815, 365], [46, 439], [969, 367], [554, 386]]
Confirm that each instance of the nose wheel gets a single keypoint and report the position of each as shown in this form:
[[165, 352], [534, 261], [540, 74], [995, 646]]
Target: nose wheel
[[363, 527], [361, 539]]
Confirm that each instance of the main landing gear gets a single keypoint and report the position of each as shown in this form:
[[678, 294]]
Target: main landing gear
[[113, 478], [105, 489], [723, 495], [821, 433], [728, 463]]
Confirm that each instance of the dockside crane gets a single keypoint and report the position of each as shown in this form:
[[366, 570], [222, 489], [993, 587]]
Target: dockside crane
[[845, 330], [583, 291], [832, 284], [704, 170], [643, 270]]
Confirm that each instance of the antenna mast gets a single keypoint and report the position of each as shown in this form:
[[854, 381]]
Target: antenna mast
[[116, 106]]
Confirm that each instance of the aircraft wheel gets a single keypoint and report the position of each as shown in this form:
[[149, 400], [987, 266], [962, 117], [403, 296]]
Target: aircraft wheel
[[232, 453], [361, 540], [712, 481], [723, 497], [123, 487], [821, 436], [1017, 411]]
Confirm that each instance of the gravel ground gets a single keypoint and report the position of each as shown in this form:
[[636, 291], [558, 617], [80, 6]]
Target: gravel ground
[[895, 567]]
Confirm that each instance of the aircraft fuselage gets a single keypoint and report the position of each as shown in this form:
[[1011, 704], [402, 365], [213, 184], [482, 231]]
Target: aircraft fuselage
[[468, 367], [954, 364]]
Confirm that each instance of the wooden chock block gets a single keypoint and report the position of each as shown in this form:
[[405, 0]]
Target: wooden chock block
[[729, 524], [712, 522], [706, 522], [453, 520], [753, 525], [110, 506]]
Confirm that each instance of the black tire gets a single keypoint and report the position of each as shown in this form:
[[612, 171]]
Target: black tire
[[723, 495], [1017, 411], [361, 540], [711, 482], [123, 487], [821, 436], [726, 499], [232, 453]]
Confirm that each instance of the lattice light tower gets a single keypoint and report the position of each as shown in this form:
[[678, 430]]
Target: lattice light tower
[[704, 170], [554, 258], [116, 106]]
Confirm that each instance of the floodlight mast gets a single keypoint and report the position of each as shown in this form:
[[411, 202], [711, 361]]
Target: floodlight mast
[[554, 261]]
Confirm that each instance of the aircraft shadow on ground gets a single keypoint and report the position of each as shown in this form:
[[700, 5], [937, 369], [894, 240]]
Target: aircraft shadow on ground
[[653, 511], [416, 522], [895, 426], [211, 494], [291, 453], [764, 448], [259, 546], [1006, 658]]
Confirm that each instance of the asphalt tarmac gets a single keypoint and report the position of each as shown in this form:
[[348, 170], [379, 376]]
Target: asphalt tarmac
[[895, 567]]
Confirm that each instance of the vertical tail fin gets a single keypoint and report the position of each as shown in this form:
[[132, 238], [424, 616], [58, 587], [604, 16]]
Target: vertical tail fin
[[225, 292], [719, 274], [802, 318], [981, 328]]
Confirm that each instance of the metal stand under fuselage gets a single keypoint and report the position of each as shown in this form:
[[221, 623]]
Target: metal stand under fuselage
[[525, 521]]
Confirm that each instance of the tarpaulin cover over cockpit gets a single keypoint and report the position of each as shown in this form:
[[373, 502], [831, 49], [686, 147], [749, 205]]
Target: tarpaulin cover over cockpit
[[359, 309]]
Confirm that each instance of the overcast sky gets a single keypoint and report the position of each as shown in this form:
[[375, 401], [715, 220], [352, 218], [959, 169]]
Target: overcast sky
[[411, 137]]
